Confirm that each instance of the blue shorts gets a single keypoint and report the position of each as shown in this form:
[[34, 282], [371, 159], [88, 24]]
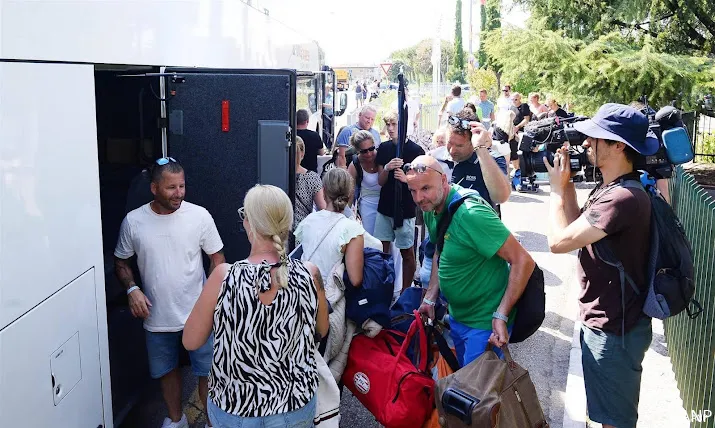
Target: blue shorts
[[612, 372], [302, 417], [404, 237], [470, 343], [163, 351]]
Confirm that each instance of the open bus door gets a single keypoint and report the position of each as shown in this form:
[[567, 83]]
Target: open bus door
[[231, 129]]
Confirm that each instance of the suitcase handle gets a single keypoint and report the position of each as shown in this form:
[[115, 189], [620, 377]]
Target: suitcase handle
[[460, 404], [417, 327]]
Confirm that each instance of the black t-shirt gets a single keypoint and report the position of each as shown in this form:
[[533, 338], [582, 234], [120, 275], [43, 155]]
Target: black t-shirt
[[559, 113], [313, 144], [468, 174], [521, 112], [386, 153]]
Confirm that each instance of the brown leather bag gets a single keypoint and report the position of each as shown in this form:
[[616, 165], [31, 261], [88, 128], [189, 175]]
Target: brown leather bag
[[489, 392]]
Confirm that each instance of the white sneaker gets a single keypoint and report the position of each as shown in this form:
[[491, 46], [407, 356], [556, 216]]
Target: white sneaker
[[183, 423]]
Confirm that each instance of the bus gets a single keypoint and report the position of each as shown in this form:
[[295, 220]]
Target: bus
[[91, 93]]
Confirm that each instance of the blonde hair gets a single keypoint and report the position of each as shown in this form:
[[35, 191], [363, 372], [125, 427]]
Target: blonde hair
[[440, 131], [390, 116], [359, 137], [270, 214], [505, 121], [338, 187]]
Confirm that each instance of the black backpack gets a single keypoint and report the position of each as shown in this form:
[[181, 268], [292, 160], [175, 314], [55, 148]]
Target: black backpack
[[670, 271], [531, 307]]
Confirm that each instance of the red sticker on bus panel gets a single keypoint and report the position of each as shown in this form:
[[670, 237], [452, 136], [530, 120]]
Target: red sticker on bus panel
[[224, 116]]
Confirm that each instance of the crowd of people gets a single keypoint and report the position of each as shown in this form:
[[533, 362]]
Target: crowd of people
[[259, 329]]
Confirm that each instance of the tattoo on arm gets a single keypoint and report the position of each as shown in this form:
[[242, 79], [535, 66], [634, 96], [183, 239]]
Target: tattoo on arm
[[318, 281], [124, 272]]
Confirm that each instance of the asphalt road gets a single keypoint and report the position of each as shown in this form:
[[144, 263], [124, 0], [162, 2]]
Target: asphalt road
[[545, 354]]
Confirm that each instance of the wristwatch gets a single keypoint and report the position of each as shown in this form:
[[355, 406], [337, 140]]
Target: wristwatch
[[499, 316]]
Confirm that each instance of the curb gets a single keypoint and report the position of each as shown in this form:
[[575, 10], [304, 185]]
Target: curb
[[575, 395]]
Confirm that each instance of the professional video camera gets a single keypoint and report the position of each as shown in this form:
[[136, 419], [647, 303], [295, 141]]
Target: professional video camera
[[543, 137]]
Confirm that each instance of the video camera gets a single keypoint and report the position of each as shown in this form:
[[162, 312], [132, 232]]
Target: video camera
[[543, 137]]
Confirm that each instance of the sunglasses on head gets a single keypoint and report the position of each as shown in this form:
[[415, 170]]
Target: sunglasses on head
[[460, 123], [164, 161], [369, 149], [419, 168]]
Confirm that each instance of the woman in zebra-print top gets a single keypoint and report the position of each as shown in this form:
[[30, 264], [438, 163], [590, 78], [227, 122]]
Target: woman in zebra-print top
[[265, 312]]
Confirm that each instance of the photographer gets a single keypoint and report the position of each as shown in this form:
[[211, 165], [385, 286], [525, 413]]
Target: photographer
[[615, 333]]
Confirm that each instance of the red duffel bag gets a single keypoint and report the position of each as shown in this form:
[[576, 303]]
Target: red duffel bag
[[386, 382]]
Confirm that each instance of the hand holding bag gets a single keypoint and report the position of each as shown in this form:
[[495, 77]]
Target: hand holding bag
[[386, 382]]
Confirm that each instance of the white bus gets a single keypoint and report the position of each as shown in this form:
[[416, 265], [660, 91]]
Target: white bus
[[92, 92]]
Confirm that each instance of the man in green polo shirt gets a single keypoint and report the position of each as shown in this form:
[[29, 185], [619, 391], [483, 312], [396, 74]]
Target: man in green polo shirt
[[482, 270]]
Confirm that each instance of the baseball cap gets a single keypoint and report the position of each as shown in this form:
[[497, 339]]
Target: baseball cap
[[506, 88], [619, 122]]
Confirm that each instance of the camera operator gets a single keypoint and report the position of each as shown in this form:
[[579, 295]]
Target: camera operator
[[615, 333]]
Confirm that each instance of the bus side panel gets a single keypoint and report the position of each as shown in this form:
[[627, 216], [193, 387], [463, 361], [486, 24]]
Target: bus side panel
[[50, 221], [49, 364]]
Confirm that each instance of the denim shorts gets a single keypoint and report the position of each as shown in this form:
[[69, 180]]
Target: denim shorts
[[470, 343], [163, 351], [300, 418], [404, 237], [612, 373]]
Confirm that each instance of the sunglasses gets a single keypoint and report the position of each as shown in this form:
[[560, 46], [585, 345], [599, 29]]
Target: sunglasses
[[164, 161], [242, 213], [419, 168], [369, 149], [459, 123]]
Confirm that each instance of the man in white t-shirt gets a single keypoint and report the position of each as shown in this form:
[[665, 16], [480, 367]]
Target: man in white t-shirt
[[167, 235], [457, 103]]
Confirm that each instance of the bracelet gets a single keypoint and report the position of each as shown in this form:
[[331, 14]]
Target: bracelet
[[132, 288], [428, 301], [499, 316]]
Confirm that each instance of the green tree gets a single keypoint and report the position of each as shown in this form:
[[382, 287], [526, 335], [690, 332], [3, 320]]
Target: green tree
[[675, 26], [417, 60], [482, 56], [457, 70], [611, 68]]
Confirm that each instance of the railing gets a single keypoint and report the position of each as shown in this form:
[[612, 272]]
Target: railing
[[690, 342], [702, 127], [428, 117]]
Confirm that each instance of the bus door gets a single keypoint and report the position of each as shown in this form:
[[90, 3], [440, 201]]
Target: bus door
[[230, 129]]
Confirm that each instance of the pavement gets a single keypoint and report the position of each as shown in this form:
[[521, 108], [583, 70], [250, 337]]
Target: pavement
[[552, 354]]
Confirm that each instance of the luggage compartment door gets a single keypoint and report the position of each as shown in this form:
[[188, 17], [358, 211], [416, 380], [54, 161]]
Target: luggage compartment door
[[231, 129]]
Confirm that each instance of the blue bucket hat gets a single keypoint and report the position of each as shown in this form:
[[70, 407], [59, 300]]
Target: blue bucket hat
[[618, 122]]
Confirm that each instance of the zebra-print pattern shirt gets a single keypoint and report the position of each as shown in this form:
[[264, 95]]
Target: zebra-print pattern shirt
[[263, 361]]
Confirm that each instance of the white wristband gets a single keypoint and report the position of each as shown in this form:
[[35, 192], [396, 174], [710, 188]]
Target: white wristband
[[135, 287]]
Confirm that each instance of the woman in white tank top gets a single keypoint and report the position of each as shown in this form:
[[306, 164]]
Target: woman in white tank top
[[367, 188]]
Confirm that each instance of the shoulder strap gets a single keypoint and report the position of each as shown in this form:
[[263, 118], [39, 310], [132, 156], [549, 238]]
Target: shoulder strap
[[325, 235], [452, 206]]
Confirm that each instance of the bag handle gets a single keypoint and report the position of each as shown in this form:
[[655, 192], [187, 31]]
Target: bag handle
[[507, 355], [416, 327]]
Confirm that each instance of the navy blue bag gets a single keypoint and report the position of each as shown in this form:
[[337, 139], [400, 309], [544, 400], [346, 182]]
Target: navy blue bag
[[372, 299], [410, 300]]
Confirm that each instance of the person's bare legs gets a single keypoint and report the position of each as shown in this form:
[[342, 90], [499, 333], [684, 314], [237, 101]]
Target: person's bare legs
[[409, 265], [204, 394], [386, 246], [171, 390]]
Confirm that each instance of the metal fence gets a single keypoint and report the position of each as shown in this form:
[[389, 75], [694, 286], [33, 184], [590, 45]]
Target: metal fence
[[702, 127], [690, 342], [428, 117]]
